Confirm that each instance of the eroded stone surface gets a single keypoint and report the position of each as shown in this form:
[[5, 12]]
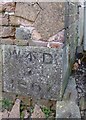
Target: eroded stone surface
[[71, 92], [36, 71], [5, 114], [37, 113], [7, 31], [47, 18], [23, 33], [50, 19], [67, 109], [26, 10], [8, 6], [15, 112], [3, 19]]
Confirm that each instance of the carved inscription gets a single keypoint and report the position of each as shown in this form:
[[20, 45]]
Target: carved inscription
[[32, 71]]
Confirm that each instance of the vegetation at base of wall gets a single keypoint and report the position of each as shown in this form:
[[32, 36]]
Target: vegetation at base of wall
[[6, 104], [46, 110]]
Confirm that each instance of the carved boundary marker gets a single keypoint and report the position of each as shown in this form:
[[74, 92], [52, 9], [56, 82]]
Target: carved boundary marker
[[34, 71]]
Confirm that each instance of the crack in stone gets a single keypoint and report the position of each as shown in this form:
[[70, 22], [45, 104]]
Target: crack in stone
[[37, 16], [39, 6]]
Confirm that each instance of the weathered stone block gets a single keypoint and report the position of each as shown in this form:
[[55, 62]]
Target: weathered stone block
[[51, 19], [8, 41], [27, 11], [1, 7], [35, 35], [42, 15], [3, 19], [27, 32], [34, 71], [0, 76], [14, 20], [8, 6], [23, 33], [7, 31], [71, 92], [82, 103], [67, 109]]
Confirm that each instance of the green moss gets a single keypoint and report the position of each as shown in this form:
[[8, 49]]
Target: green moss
[[46, 111], [7, 104], [22, 115]]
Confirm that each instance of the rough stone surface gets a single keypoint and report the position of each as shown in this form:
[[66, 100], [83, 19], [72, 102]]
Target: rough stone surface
[[1, 8], [15, 112], [0, 115], [7, 31], [0, 77], [36, 35], [27, 32], [0, 93], [40, 15], [5, 114], [55, 45], [59, 37], [36, 71], [26, 114], [26, 10], [8, 6], [23, 33], [71, 92], [38, 43], [83, 103], [50, 19], [37, 113], [14, 20], [3, 19], [67, 109], [7, 41]]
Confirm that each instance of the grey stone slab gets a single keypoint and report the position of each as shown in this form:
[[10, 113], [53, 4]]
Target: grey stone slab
[[67, 109], [71, 92], [34, 71], [22, 34]]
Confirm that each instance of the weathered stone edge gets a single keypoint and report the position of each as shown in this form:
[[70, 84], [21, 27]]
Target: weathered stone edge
[[0, 77]]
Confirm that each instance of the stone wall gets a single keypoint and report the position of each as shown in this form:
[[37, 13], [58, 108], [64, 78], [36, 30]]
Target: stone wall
[[42, 24], [30, 21], [6, 29], [32, 24]]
